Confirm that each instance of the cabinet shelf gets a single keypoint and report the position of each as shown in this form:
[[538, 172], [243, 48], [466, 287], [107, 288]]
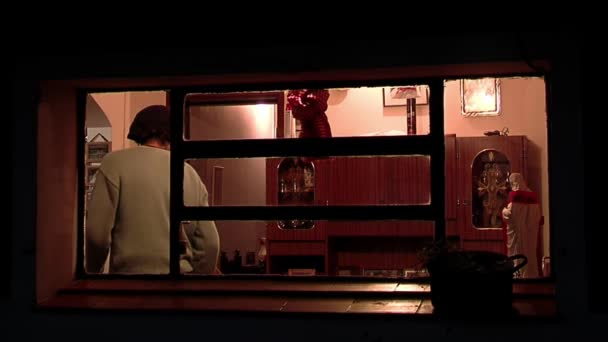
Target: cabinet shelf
[[94, 153]]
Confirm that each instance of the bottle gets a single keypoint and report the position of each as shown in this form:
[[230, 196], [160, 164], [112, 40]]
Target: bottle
[[411, 116], [237, 262], [224, 262]]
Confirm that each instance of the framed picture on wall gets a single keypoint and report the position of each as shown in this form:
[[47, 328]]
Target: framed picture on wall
[[397, 96], [480, 97]]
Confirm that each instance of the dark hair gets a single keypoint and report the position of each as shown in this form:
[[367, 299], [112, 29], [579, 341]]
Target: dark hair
[[151, 122]]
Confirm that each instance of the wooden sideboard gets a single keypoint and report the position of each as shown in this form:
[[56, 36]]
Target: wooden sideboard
[[473, 166]]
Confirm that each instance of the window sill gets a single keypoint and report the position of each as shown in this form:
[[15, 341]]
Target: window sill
[[270, 296]]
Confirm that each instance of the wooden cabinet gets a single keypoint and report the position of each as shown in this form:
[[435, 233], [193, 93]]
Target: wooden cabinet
[[335, 245], [484, 164], [274, 230], [304, 247]]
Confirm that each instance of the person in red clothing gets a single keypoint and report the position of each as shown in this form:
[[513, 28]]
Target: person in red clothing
[[523, 218], [309, 106]]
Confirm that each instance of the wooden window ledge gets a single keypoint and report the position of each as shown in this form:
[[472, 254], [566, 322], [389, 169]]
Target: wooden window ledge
[[269, 296]]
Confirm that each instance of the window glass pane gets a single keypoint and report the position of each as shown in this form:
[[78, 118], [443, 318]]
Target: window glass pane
[[378, 180], [126, 198], [346, 112], [390, 249], [227, 121], [374, 248], [518, 135]]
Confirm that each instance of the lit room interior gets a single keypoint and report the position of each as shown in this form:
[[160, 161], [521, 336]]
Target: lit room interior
[[493, 127]]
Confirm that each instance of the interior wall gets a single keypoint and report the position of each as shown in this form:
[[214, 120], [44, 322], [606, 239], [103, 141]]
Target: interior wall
[[244, 180], [96, 121], [361, 111], [114, 107], [120, 109]]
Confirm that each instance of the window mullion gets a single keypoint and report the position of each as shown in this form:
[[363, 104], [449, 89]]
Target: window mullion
[[176, 107], [436, 114]]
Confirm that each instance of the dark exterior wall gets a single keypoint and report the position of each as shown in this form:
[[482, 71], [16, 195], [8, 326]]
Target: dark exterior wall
[[565, 134]]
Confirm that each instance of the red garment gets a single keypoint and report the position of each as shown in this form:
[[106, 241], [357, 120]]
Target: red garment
[[309, 106]]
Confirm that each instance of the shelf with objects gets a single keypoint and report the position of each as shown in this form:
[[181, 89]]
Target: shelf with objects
[[95, 149], [475, 167]]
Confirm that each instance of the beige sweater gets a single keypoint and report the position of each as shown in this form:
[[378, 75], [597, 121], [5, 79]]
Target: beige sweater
[[128, 215]]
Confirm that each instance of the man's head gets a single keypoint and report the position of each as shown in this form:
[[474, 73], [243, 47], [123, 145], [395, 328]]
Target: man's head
[[150, 123]]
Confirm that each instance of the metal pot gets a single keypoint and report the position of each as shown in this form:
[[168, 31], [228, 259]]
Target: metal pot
[[473, 282]]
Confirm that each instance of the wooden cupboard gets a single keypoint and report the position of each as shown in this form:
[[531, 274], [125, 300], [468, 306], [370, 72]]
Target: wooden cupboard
[[476, 172], [494, 158]]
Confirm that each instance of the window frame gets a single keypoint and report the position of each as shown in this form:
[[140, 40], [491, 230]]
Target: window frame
[[390, 145], [432, 145], [90, 286]]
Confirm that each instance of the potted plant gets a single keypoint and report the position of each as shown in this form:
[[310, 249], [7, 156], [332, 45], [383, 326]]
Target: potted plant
[[470, 282]]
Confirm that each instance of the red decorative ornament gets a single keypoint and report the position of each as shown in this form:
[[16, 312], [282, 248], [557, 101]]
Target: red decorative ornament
[[309, 106]]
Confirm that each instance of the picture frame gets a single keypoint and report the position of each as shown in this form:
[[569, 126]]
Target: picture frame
[[393, 96], [480, 97]]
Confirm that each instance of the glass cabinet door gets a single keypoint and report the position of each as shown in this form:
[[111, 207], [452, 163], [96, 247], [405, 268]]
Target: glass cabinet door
[[490, 188], [484, 166], [296, 177]]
